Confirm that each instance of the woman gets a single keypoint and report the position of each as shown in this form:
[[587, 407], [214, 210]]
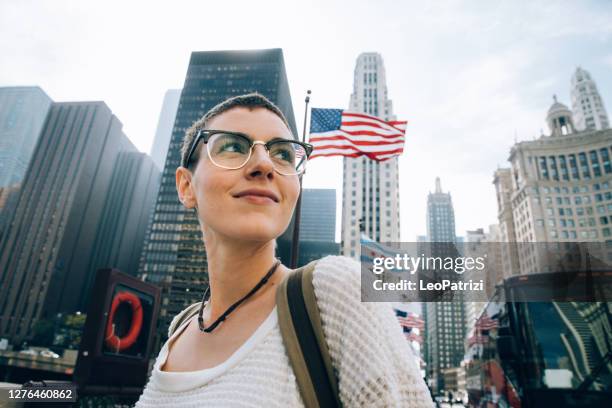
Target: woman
[[240, 173]]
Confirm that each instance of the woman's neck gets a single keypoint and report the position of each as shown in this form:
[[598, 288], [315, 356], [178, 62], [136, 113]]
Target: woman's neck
[[234, 269]]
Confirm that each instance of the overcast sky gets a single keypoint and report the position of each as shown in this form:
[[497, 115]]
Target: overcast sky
[[470, 77]]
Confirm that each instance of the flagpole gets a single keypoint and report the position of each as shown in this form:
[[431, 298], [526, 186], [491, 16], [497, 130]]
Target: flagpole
[[295, 247]]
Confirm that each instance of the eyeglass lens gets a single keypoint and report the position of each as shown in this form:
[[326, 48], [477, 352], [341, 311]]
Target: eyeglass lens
[[232, 151]]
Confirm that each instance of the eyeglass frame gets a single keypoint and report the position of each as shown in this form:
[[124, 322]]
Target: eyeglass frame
[[206, 134]]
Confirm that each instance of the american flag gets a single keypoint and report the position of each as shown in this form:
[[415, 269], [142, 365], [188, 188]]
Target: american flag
[[371, 249], [412, 336], [477, 339], [411, 321], [335, 132], [486, 323]]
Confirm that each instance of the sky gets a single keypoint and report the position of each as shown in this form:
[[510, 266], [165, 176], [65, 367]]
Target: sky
[[471, 78]]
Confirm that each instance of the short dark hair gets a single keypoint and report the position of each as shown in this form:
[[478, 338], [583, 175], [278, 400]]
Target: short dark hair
[[250, 101]]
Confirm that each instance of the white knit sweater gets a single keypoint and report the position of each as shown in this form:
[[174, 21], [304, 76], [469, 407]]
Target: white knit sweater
[[371, 355]]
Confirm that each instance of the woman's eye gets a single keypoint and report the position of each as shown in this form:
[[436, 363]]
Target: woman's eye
[[232, 147], [284, 154]]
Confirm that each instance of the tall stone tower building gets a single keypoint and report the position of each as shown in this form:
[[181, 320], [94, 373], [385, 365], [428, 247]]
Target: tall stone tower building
[[587, 105], [370, 188]]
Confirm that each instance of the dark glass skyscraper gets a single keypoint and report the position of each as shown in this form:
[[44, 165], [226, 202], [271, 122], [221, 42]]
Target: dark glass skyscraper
[[318, 215], [444, 321], [46, 252], [23, 110], [174, 255]]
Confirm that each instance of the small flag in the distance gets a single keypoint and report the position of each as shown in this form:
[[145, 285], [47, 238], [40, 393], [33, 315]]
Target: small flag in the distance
[[412, 321], [335, 132], [411, 336], [486, 323], [478, 339], [371, 249]]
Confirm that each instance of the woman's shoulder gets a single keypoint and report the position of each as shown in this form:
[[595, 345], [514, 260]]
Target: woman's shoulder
[[337, 267], [337, 279], [182, 317]]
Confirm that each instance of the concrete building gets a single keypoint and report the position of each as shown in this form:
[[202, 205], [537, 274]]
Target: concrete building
[[159, 149], [487, 244], [174, 256], [587, 105], [444, 332], [558, 189], [47, 247], [370, 188]]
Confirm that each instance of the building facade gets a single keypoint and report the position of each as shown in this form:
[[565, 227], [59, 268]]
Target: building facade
[[557, 189], [159, 149], [45, 251], [587, 104], [174, 257], [318, 215], [444, 332], [128, 206], [23, 110], [486, 244], [370, 188]]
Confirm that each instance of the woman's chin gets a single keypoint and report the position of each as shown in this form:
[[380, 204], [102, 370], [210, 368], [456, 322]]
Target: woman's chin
[[252, 233]]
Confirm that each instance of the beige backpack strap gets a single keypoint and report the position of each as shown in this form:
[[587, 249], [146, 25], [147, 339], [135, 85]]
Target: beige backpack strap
[[315, 320], [304, 340], [182, 317]]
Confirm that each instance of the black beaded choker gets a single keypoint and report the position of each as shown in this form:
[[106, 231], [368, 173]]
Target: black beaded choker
[[235, 305]]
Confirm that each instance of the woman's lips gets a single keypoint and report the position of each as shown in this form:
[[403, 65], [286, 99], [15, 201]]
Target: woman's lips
[[257, 199]]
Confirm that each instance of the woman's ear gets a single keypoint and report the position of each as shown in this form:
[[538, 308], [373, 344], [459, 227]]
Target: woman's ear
[[184, 187]]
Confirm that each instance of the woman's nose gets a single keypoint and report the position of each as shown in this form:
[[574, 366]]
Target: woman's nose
[[260, 160]]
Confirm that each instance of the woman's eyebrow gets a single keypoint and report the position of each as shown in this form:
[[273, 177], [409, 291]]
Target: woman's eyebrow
[[271, 140], [278, 138]]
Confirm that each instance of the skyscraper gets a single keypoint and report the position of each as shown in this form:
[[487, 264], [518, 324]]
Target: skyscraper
[[45, 251], [317, 225], [159, 150], [318, 215], [128, 205], [174, 255], [444, 321], [23, 110], [588, 107], [370, 188]]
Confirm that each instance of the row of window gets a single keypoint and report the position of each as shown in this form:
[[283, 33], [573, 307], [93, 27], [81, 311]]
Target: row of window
[[575, 167]]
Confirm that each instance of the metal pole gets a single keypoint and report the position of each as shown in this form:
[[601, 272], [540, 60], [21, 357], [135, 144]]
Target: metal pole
[[295, 247]]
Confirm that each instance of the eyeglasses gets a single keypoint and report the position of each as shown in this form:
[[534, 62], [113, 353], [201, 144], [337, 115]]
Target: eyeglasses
[[232, 150]]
